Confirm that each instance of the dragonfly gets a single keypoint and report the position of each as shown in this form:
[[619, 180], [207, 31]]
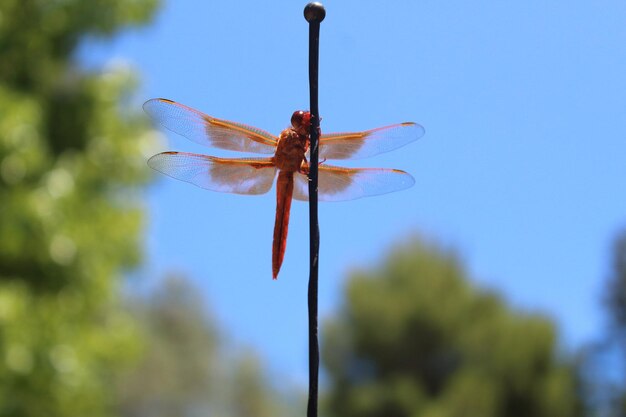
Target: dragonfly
[[290, 152]]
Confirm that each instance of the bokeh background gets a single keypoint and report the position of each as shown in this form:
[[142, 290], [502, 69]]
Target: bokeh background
[[496, 286]]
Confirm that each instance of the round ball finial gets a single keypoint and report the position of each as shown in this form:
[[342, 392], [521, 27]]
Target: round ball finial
[[314, 12]]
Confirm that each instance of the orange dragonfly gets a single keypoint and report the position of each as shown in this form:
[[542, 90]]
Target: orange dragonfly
[[290, 150]]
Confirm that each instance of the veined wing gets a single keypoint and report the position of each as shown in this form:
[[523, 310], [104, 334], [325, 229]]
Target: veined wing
[[355, 145], [209, 131], [239, 176], [340, 184]]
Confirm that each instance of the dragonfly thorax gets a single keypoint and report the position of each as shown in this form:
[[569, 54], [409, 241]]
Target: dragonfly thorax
[[290, 150]]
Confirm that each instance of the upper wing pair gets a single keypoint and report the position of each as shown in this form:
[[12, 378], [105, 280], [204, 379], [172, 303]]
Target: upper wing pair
[[256, 175]]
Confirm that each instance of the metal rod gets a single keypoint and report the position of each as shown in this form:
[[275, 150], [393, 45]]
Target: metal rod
[[314, 13]]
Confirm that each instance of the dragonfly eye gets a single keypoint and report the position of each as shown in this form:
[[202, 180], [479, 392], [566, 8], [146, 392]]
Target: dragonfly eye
[[301, 122], [297, 119]]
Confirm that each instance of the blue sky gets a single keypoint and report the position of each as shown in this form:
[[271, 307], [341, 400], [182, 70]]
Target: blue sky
[[522, 168]]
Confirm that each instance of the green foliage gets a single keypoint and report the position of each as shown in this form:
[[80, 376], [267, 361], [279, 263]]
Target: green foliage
[[38, 37], [605, 361], [186, 368], [416, 339], [70, 156], [177, 355], [251, 392], [616, 290]]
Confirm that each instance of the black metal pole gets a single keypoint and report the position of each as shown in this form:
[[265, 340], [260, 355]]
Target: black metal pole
[[314, 13]]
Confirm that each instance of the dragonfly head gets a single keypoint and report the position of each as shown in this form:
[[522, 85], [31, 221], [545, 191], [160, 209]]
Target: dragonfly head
[[301, 122]]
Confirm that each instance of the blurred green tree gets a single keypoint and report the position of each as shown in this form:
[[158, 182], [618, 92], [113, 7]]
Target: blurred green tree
[[70, 157], [606, 360], [188, 368], [616, 291], [414, 338]]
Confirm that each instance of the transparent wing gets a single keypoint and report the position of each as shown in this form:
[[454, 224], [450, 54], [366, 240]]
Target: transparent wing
[[340, 184], [357, 145], [239, 176], [209, 131]]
